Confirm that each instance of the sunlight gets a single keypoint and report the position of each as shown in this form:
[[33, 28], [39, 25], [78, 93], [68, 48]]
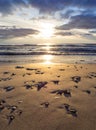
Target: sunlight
[[47, 48], [46, 30], [47, 59]]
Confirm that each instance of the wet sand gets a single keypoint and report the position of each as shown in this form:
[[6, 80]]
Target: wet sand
[[48, 96]]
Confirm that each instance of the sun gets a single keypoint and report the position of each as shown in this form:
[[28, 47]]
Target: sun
[[46, 30]]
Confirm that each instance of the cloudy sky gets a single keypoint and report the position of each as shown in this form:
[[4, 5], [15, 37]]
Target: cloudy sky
[[47, 21]]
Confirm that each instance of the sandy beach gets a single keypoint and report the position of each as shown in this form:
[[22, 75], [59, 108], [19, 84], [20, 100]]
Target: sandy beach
[[48, 97]]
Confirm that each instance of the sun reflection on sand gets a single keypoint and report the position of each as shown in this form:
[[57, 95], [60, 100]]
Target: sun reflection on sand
[[47, 59]]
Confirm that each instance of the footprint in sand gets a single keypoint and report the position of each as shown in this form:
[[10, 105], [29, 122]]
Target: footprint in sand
[[87, 91], [31, 69], [39, 72], [45, 104], [76, 79], [13, 74], [6, 72], [61, 69], [65, 92], [12, 109], [2, 104], [5, 79], [40, 85], [10, 118], [19, 67], [75, 86], [69, 109], [28, 86], [56, 81], [92, 75], [8, 88]]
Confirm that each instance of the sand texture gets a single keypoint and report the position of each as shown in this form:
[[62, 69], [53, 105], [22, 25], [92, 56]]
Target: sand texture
[[48, 97]]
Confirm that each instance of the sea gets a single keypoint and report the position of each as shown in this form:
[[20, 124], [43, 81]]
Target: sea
[[48, 53]]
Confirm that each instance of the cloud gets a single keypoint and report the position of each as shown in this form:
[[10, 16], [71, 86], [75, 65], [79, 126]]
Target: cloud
[[7, 6], [64, 33], [55, 5], [80, 22], [88, 36], [13, 32], [67, 13], [92, 31]]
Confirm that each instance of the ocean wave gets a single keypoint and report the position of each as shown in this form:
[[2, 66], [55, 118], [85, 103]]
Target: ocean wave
[[66, 49], [46, 53]]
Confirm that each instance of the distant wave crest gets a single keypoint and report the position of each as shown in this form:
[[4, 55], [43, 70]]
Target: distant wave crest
[[67, 49]]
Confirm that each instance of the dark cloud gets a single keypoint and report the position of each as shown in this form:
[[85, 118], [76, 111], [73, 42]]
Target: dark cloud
[[88, 36], [49, 5], [80, 22], [85, 34], [7, 6], [55, 5], [67, 14], [64, 33], [14, 32]]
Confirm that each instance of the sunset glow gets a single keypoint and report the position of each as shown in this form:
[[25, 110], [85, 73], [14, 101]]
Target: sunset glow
[[43, 21], [46, 30]]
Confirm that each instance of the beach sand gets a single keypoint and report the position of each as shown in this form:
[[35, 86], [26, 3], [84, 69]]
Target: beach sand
[[48, 97]]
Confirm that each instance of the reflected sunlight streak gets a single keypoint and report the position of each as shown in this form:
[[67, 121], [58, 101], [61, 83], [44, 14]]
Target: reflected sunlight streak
[[47, 59], [47, 48]]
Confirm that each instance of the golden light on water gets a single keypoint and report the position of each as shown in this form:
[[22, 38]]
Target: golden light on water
[[48, 47], [47, 59]]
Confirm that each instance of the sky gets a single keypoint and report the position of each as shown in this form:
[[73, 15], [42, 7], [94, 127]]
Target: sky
[[47, 21]]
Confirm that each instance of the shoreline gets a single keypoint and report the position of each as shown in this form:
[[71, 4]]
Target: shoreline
[[44, 63]]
